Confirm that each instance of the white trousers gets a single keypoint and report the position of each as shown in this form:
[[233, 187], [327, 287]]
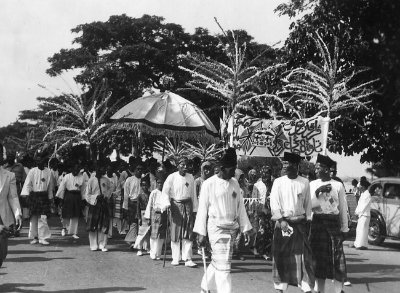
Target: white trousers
[[305, 287], [156, 247], [72, 227], [223, 280], [38, 227], [362, 231], [97, 240], [320, 286], [186, 250]]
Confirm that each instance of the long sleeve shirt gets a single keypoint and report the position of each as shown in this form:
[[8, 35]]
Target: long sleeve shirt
[[131, 190], [364, 205], [38, 181], [259, 191], [9, 203], [333, 202], [180, 187], [71, 182], [220, 202], [157, 201], [290, 197], [93, 189]]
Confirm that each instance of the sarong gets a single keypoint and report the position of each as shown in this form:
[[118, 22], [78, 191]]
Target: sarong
[[181, 219], [326, 242], [39, 203], [71, 207], [98, 217], [292, 257], [158, 224], [118, 201], [221, 241], [143, 237], [132, 216]]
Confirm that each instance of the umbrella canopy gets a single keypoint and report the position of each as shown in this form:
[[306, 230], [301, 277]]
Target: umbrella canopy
[[166, 114]]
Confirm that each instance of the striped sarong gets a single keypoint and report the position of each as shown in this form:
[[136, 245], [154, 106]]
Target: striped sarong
[[181, 219], [221, 241], [326, 242], [117, 212], [158, 224], [292, 260]]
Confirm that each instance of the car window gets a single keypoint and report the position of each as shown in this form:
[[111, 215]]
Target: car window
[[392, 190], [376, 189]]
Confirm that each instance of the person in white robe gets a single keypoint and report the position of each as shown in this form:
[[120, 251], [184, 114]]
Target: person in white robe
[[156, 213], [363, 212], [221, 212], [39, 188], [71, 193], [329, 226], [290, 202], [97, 194], [179, 188]]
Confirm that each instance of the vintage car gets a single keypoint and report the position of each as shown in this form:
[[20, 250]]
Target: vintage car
[[385, 209]]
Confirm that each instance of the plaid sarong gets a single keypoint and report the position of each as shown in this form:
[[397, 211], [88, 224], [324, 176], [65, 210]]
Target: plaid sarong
[[326, 242], [292, 257], [98, 217], [39, 203], [181, 219], [158, 224], [71, 207]]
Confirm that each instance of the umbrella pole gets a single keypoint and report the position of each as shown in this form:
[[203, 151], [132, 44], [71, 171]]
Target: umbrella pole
[[163, 149]]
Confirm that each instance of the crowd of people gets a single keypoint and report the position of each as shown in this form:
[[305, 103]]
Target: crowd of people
[[300, 224]]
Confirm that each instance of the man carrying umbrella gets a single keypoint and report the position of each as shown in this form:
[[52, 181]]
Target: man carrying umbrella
[[179, 187]]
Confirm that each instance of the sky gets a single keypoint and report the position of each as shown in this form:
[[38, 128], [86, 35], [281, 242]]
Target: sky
[[33, 30]]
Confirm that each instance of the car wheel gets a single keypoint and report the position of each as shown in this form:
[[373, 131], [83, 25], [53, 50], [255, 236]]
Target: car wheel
[[376, 231]]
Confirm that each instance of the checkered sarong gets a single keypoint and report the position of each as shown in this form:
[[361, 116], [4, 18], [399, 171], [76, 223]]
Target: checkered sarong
[[326, 242], [39, 203], [181, 219]]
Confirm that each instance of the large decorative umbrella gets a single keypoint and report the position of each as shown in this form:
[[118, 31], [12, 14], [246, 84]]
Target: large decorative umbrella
[[166, 114]]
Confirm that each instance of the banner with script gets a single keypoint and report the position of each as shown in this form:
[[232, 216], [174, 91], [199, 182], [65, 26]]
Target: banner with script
[[271, 138]]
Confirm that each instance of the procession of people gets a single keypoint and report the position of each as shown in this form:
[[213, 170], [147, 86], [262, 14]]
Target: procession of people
[[300, 225]]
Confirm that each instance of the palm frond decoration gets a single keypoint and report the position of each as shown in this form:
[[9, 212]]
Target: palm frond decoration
[[204, 151], [79, 119], [172, 150], [326, 88], [233, 84]]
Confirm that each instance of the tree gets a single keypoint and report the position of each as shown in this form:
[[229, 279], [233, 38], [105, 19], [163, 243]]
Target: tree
[[369, 33]]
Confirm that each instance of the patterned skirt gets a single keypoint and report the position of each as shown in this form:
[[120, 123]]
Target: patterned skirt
[[71, 207], [39, 203], [158, 224], [117, 207], [326, 242], [292, 257], [181, 219], [98, 217]]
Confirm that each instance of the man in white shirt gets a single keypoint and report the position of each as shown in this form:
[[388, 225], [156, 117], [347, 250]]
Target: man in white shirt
[[179, 187], [329, 226], [39, 188], [71, 194], [221, 212], [291, 209]]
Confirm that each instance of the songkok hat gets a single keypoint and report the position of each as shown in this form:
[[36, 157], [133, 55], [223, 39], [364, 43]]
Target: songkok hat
[[292, 157], [325, 160], [229, 158]]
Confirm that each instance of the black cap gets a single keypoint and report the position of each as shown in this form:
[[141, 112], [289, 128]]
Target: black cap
[[292, 157], [325, 160], [229, 158]]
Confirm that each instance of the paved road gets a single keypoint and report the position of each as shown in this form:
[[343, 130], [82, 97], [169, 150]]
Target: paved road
[[67, 265]]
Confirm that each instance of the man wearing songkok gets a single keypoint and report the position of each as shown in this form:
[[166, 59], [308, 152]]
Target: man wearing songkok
[[38, 187], [131, 193], [156, 211], [221, 212], [10, 209], [71, 193], [328, 226], [97, 194], [179, 187], [291, 209]]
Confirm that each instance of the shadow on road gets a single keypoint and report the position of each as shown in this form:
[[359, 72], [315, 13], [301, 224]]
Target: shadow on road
[[369, 280], [374, 268], [34, 259], [16, 287], [32, 251]]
